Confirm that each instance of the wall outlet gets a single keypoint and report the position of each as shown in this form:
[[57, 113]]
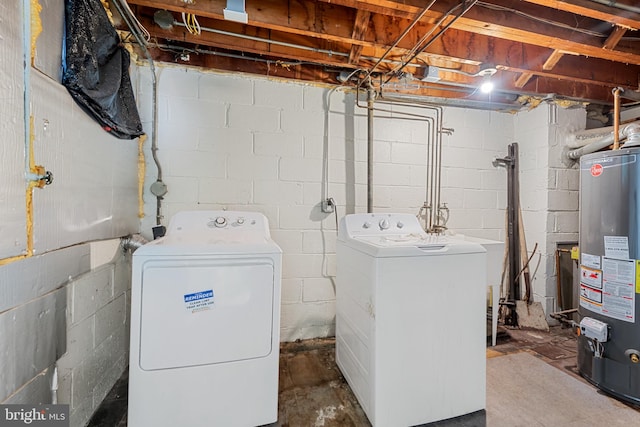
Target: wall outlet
[[328, 205]]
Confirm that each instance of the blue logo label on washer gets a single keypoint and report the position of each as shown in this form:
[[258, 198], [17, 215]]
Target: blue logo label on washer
[[198, 295], [199, 301]]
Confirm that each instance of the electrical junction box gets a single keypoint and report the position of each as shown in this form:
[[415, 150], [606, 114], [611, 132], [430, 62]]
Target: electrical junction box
[[594, 329]]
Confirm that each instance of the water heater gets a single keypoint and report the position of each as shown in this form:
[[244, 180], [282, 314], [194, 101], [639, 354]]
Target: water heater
[[609, 343]]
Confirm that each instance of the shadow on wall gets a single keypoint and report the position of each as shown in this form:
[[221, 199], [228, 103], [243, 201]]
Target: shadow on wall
[[348, 100]]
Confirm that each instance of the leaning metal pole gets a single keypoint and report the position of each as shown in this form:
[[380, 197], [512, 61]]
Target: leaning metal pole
[[513, 238]]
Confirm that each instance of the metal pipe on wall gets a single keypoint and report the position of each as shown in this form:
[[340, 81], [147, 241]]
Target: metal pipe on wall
[[371, 96], [160, 188], [616, 118]]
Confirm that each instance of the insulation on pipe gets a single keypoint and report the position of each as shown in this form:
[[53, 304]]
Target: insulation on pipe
[[629, 131]]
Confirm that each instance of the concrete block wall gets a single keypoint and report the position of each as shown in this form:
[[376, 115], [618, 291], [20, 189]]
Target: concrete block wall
[[97, 335], [71, 310], [12, 206], [93, 197], [564, 185], [548, 191], [245, 143], [532, 135], [475, 190]]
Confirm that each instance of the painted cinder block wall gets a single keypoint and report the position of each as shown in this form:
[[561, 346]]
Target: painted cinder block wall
[[60, 301], [240, 143], [548, 191], [226, 141]]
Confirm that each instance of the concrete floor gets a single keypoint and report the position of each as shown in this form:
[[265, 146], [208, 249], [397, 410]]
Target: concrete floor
[[314, 393]]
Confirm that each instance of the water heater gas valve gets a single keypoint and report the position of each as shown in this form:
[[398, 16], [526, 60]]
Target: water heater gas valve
[[594, 329]]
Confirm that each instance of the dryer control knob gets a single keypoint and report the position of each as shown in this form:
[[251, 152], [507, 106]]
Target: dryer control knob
[[220, 221], [240, 221], [366, 225], [400, 225], [384, 224]]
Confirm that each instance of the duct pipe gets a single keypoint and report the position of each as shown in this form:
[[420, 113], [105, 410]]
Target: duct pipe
[[371, 96], [132, 242], [629, 94], [626, 131], [621, 6], [586, 137]]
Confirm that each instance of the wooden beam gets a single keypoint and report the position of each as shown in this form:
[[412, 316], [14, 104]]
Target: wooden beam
[[359, 30], [552, 60], [594, 10], [614, 38], [523, 79], [452, 48], [505, 23]]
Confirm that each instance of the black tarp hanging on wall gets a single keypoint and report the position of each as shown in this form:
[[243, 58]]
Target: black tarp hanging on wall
[[96, 69]]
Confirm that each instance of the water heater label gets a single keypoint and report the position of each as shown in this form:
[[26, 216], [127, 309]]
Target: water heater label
[[591, 277], [618, 290], [616, 247], [199, 301], [591, 297], [591, 261], [596, 170]]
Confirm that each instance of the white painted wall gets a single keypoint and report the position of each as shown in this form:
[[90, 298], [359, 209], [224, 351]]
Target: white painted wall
[[226, 141], [238, 143], [54, 301], [12, 185], [548, 191]]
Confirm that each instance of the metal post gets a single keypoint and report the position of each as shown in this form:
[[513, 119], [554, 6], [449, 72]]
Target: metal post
[[513, 195], [513, 237]]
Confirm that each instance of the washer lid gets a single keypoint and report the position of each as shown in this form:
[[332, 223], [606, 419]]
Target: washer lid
[[397, 246]]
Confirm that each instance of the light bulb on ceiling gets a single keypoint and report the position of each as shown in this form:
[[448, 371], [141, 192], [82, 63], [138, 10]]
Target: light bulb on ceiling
[[486, 73], [486, 86]]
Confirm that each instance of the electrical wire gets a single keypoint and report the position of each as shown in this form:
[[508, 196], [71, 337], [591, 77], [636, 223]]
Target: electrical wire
[[423, 44], [144, 32], [493, 6], [191, 23]]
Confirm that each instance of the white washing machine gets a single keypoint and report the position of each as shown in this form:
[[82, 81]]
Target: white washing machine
[[410, 321], [205, 316]]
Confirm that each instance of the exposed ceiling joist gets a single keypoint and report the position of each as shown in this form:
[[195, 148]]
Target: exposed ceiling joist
[[580, 48]]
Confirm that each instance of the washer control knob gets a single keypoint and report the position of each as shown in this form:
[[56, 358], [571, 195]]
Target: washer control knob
[[240, 221], [384, 224], [366, 225], [220, 221], [400, 225]]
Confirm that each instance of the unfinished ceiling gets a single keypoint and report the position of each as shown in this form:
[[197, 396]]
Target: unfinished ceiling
[[440, 50]]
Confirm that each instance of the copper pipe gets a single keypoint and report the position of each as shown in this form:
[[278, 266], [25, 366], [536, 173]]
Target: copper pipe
[[616, 118]]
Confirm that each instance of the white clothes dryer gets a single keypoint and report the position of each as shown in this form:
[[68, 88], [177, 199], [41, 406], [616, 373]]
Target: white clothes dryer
[[205, 316]]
